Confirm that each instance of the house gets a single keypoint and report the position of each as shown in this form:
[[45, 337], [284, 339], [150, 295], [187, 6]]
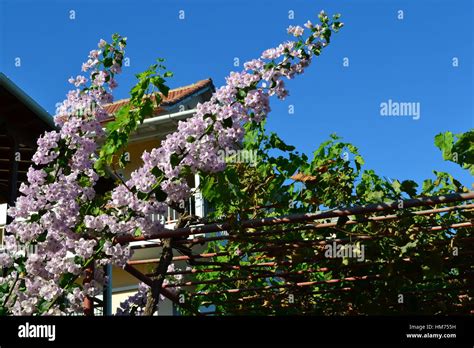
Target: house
[[22, 122]]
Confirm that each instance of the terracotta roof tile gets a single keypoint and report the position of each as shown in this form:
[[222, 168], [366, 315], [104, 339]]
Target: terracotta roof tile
[[174, 97]]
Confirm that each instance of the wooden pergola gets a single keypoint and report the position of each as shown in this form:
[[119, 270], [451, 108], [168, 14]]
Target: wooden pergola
[[271, 235]]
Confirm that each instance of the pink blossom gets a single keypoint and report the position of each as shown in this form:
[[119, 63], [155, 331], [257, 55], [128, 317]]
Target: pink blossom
[[296, 31], [78, 81]]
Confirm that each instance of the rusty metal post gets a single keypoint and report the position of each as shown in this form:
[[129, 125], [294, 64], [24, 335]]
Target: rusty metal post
[[88, 303]]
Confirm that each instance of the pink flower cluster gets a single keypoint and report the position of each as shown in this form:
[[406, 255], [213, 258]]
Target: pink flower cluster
[[48, 213], [135, 304], [219, 123]]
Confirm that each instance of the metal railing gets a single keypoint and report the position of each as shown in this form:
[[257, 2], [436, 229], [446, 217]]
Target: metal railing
[[171, 216]]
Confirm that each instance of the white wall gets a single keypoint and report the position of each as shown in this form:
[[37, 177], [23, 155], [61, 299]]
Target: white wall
[[3, 214]]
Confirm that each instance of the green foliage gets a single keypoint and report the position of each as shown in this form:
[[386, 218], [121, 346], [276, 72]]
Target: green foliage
[[457, 148], [405, 254], [147, 92]]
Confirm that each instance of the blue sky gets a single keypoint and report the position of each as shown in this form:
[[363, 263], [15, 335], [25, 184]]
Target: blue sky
[[405, 60]]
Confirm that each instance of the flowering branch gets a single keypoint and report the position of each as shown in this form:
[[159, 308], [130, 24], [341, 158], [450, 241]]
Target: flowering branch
[[72, 225]]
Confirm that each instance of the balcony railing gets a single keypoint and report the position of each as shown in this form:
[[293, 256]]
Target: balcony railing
[[171, 216]]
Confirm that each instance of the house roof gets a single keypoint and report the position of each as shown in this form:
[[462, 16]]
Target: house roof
[[35, 108], [175, 96]]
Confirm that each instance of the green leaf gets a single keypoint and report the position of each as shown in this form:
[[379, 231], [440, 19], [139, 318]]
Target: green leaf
[[158, 100], [207, 185], [42, 237], [65, 279], [108, 62], [35, 217], [269, 65], [410, 245], [241, 94], [141, 195], [147, 109], [163, 89], [157, 172], [4, 287], [175, 159], [428, 186], [157, 80], [396, 186], [276, 142], [227, 122], [444, 141], [209, 129], [43, 306], [84, 181], [359, 161], [211, 116], [160, 195], [232, 176], [409, 186]]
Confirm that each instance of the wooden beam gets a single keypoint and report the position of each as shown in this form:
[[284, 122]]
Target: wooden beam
[[8, 171], [22, 165], [5, 152]]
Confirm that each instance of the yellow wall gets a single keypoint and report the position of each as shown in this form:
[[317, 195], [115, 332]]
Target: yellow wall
[[135, 150]]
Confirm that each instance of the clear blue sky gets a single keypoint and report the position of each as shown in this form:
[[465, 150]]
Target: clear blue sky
[[407, 60]]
